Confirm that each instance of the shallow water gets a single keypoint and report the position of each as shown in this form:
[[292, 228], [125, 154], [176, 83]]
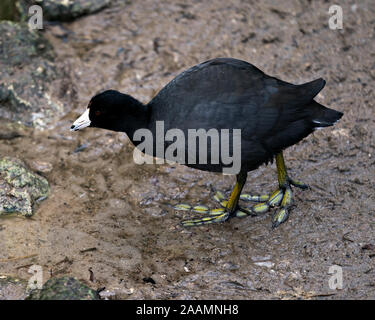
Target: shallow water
[[100, 199]]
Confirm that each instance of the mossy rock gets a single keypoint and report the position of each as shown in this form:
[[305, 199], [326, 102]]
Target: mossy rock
[[31, 88], [8, 10], [12, 288], [62, 10], [10, 130], [65, 288], [20, 188], [20, 44]]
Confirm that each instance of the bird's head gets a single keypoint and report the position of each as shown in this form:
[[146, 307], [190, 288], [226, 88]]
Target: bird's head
[[110, 110]]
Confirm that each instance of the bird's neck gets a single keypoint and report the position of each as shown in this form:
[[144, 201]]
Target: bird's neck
[[137, 116]]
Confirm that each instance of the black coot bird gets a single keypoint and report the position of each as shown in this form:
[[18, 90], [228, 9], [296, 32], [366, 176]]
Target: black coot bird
[[222, 94]]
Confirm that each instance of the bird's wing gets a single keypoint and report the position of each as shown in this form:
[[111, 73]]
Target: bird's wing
[[230, 93]]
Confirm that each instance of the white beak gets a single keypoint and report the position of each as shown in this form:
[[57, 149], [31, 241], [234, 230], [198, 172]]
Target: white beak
[[82, 122]]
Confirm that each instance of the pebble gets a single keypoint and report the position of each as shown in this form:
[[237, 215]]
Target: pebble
[[41, 166]]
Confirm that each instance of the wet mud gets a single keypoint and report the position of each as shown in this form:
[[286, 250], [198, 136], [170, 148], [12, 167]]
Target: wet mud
[[108, 221]]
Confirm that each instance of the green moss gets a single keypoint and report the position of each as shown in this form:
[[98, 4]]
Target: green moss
[[19, 187], [18, 176], [12, 288], [8, 10], [65, 288]]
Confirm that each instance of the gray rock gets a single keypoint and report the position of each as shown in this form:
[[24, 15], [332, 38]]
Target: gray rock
[[11, 130], [19, 187], [30, 82], [12, 288], [65, 288], [63, 10]]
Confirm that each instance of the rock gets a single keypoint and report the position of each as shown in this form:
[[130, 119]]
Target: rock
[[59, 31], [19, 187], [63, 10], [12, 288], [11, 130], [8, 10], [41, 166], [65, 288], [30, 83]]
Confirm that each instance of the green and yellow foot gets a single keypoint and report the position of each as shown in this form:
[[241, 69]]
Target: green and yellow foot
[[282, 198], [211, 215]]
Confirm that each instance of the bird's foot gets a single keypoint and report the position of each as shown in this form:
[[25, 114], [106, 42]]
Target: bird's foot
[[281, 197], [212, 215]]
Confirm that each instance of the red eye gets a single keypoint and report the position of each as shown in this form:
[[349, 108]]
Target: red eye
[[97, 113]]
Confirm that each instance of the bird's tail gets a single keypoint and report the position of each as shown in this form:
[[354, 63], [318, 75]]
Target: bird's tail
[[322, 116]]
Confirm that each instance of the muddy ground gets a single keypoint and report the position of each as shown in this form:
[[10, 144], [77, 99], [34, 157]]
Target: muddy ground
[[100, 200]]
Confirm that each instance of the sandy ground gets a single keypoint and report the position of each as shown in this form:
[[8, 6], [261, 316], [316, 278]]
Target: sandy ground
[[101, 200]]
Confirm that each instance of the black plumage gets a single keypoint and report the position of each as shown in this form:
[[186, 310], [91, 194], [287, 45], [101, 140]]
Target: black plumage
[[223, 93]]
